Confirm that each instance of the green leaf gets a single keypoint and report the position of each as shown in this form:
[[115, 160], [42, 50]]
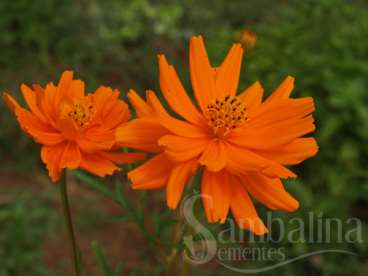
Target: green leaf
[[102, 260]]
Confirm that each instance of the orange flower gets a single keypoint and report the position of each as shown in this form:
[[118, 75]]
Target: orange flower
[[74, 129], [241, 141]]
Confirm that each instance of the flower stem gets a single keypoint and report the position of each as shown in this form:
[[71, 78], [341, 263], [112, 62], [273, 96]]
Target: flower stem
[[172, 260], [69, 224], [186, 265], [185, 268]]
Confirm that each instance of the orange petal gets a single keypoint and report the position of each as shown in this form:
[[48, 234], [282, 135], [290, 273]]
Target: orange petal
[[242, 160], [97, 165], [283, 91], [118, 114], [243, 209], [104, 100], [293, 153], [71, 156], [281, 110], [201, 73], [32, 102], [176, 126], [51, 156], [227, 75], [68, 129], [95, 139], [63, 87], [179, 176], [153, 174], [140, 106], [214, 156], [270, 192], [75, 90], [47, 102], [122, 157], [141, 134], [282, 132], [252, 97], [10, 102], [215, 192], [180, 149], [175, 94], [41, 132]]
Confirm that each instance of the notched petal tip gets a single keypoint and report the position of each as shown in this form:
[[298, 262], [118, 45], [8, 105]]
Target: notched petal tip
[[10, 102]]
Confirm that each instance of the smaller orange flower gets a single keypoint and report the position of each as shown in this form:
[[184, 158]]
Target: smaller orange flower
[[248, 39], [74, 129]]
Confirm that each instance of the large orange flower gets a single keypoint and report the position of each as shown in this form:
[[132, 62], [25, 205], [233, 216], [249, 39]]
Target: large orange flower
[[242, 142], [74, 129]]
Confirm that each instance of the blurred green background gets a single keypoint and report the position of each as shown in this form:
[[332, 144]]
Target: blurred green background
[[323, 43]]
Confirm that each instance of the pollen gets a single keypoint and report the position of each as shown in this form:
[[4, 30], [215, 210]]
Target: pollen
[[81, 113], [226, 114]]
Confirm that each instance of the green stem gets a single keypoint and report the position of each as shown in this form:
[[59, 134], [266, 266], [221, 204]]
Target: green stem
[[186, 265], [185, 268], [172, 260], [69, 224]]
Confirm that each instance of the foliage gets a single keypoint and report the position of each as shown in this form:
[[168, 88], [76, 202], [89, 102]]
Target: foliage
[[24, 225]]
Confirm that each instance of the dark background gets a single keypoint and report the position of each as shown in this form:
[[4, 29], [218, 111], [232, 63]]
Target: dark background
[[324, 44]]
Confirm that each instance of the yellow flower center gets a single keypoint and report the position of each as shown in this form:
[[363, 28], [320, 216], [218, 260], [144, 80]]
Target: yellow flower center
[[81, 113], [225, 115]]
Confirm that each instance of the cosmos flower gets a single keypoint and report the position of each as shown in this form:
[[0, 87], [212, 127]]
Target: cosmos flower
[[242, 142], [74, 129]]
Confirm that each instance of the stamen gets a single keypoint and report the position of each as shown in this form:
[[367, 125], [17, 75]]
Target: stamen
[[225, 115], [81, 113]]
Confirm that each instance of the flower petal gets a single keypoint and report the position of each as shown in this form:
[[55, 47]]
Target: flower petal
[[10, 102], [152, 174], [60, 156], [95, 139], [40, 132], [141, 134], [76, 90], [140, 106], [176, 126], [104, 100], [179, 176], [118, 114], [215, 156], [243, 209], [175, 94], [283, 91], [71, 156], [68, 129], [241, 161], [201, 73], [282, 133], [51, 156], [180, 149], [62, 87], [227, 75], [97, 164], [122, 157], [31, 99], [252, 97], [293, 153], [215, 192], [270, 192], [280, 110], [47, 102]]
